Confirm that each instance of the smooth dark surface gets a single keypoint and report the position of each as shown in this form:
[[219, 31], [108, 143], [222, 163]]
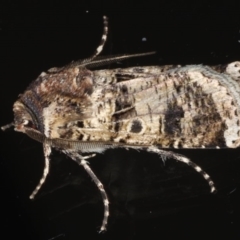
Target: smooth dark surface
[[148, 199]]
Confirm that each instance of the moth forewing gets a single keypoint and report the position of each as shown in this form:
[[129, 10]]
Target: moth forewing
[[77, 110]]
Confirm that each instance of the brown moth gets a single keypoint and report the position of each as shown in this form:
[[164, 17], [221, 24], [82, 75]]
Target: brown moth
[[77, 110]]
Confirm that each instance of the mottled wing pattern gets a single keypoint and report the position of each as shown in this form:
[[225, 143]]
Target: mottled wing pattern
[[189, 107]]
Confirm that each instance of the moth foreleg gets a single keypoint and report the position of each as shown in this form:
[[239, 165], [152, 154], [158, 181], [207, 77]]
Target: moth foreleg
[[168, 154], [81, 160], [47, 151]]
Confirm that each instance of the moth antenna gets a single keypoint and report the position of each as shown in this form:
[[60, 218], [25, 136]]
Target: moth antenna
[[47, 151], [108, 60], [181, 158], [36, 135], [101, 61], [92, 62]]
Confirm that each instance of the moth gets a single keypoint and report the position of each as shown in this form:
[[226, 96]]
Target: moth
[[81, 112]]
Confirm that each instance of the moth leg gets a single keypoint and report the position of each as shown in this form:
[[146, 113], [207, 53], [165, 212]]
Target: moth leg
[[104, 38], [102, 43], [81, 160], [181, 158], [47, 151]]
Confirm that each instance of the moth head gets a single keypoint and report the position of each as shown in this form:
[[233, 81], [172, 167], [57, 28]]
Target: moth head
[[24, 117]]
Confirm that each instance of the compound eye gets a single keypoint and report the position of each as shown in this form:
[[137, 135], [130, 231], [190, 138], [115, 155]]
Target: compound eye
[[29, 124]]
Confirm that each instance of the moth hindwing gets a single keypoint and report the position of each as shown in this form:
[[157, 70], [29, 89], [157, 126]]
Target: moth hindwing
[[77, 110]]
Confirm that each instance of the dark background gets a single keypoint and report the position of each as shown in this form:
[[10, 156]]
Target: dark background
[[148, 199]]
